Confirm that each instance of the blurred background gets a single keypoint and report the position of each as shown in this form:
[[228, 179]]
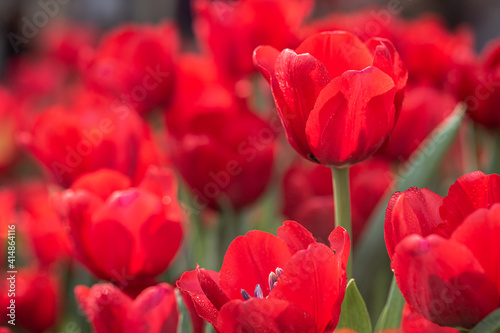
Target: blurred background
[[483, 15]]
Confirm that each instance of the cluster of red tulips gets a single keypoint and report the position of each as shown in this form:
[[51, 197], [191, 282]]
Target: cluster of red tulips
[[145, 178]]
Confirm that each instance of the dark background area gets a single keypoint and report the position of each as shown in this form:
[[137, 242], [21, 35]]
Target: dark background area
[[483, 15]]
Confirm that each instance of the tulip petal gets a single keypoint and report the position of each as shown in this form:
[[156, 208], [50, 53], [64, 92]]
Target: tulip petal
[[470, 192], [339, 51], [264, 58], [479, 232], [102, 182], [352, 117], [443, 281], [189, 285], [314, 280], [296, 236], [105, 305], [413, 322], [414, 211], [153, 311], [340, 243], [296, 82], [249, 260], [211, 288], [264, 315]]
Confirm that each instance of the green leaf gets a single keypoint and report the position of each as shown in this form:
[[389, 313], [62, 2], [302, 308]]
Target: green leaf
[[391, 314], [418, 171], [354, 314], [185, 324], [490, 324]]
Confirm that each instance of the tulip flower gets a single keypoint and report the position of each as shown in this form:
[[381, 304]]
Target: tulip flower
[[223, 150], [230, 30], [37, 299], [94, 133], [441, 249], [109, 310], [338, 98], [144, 221], [425, 107], [287, 283], [135, 64]]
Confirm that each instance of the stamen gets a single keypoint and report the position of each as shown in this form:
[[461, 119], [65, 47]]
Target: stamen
[[272, 280], [279, 271], [245, 295], [258, 292]]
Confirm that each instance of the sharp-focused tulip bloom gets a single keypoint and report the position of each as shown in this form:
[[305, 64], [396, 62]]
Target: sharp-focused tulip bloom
[[444, 250], [288, 283], [94, 133], [109, 310], [135, 64], [338, 98], [230, 30], [123, 233], [308, 192], [37, 300]]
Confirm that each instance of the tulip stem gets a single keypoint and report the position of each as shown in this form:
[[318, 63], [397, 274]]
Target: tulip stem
[[342, 202], [495, 155]]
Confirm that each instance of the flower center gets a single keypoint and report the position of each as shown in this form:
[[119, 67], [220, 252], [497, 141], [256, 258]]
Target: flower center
[[272, 280]]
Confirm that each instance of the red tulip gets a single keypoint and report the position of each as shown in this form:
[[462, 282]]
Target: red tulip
[[223, 151], [94, 133], [42, 225], [144, 221], [429, 36], [111, 311], [338, 98], [424, 109], [135, 64], [308, 193], [477, 85], [36, 296], [231, 30], [298, 285], [441, 249]]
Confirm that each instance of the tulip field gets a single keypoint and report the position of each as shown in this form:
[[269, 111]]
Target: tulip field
[[277, 168]]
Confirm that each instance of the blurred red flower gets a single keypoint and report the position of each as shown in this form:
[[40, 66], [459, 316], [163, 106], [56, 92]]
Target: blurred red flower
[[144, 222], [298, 285], [338, 98], [136, 64], [442, 249], [94, 133], [109, 310], [425, 107], [37, 299], [229, 30], [223, 150]]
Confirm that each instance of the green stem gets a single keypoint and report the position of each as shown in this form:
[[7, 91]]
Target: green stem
[[342, 201], [495, 155]]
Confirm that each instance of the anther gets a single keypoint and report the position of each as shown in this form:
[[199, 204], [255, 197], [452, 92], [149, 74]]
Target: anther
[[272, 280], [258, 292], [279, 271], [245, 295]]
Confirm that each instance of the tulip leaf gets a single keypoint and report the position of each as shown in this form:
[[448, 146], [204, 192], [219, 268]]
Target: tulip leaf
[[354, 314], [391, 314], [490, 324], [417, 171], [185, 324]]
